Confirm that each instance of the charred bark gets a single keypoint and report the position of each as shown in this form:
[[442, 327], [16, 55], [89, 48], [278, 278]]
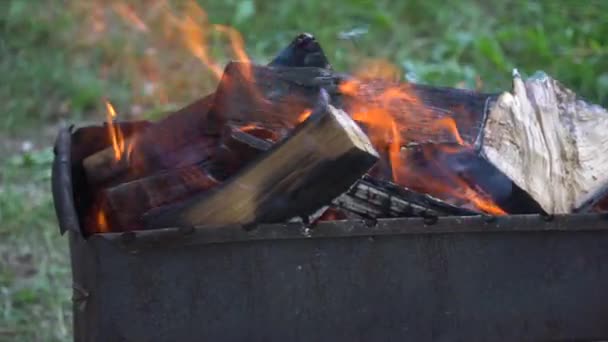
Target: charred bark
[[322, 158], [375, 199], [180, 138], [125, 203], [277, 96]]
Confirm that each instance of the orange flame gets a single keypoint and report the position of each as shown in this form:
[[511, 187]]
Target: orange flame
[[389, 125], [482, 202], [118, 142], [388, 118], [305, 114], [129, 16], [249, 127], [195, 31], [236, 41], [122, 149], [102, 222], [449, 124], [196, 40]]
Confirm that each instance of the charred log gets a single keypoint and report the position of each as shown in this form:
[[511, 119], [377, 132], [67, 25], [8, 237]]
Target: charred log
[[152, 150], [278, 96], [275, 96], [125, 204], [322, 158], [160, 146], [443, 170], [303, 51], [369, 197], [375, 199], [237, 148]]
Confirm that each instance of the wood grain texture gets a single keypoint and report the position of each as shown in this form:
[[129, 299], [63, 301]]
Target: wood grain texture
[[182, 138], [372, 198], [125, 203], [322, 158], [551, 143]]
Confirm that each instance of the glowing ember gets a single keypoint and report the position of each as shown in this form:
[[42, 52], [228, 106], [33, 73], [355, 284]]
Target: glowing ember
[[249, 127], [305, 114], [102, 222]]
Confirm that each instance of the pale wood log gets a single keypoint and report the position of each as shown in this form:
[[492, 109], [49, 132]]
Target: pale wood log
[[550, 142]]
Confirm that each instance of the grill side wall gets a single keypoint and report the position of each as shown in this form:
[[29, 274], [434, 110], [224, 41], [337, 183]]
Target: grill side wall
[[547, 285]]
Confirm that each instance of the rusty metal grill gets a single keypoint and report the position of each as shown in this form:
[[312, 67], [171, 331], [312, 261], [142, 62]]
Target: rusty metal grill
[[513, 278]]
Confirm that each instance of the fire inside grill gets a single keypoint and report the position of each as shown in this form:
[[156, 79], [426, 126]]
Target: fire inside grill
[[297, 140]]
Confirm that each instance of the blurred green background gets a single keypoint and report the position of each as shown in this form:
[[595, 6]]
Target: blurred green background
[[60, 59]]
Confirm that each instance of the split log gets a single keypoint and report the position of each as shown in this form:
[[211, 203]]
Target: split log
[[241, 145], [375, 199], [322, 158], [549, 142], [369, 197], [125, 204]]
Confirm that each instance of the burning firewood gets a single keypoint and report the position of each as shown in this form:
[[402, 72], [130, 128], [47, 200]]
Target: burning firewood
[[551, 143], [372, 198], [178, 138], [322, 158], [278, 96], [151, 150], [237, 148], [369, 197], [125, 203], [459, 175]]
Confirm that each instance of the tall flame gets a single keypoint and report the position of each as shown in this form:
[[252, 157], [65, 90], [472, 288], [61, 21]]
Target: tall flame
[[191, 30], [195, 39], [116, 137], [130, 16], [196, 31]]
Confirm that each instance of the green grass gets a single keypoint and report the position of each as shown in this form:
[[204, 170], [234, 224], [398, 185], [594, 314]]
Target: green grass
[[60, 58], [34, 277]]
